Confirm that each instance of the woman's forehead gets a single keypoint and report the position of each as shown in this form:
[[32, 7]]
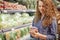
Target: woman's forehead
[[40, 2]]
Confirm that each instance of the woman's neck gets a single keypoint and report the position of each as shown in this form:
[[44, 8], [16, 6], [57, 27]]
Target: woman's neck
[[42, 16]]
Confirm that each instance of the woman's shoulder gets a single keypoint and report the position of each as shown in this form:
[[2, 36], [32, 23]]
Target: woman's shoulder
[[54, 19]]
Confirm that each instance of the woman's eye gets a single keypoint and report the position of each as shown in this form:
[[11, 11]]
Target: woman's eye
[[39, 6], [42, 6]]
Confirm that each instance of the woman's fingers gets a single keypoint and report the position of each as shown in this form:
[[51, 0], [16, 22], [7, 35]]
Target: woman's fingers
[[33, 29], [32, 34], [35, 35]]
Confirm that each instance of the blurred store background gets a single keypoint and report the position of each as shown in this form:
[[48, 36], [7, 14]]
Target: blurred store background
[[16, 18]]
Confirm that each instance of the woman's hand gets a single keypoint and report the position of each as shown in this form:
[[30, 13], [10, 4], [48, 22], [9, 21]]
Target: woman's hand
[[34, 32]]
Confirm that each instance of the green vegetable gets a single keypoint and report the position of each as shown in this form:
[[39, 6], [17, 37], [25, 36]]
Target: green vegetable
[[2, 37], [12, 35], [22, 33]]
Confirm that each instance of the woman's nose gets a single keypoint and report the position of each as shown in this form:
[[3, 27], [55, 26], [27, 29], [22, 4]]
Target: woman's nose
[[40, 7]]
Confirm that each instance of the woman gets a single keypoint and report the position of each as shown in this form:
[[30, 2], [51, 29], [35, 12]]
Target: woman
[[44, 24]]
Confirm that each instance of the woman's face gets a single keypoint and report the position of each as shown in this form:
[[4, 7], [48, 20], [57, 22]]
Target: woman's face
[[41, 7]]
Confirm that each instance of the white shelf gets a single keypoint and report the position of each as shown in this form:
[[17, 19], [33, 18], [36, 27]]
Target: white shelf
[[10, 29], [13, 11]]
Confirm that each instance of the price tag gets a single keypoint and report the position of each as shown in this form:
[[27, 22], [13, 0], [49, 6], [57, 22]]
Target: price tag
[[5, 11], [12, 29], [24, 10]]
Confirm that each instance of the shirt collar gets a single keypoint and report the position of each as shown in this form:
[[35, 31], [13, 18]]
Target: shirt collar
[[42, 17]]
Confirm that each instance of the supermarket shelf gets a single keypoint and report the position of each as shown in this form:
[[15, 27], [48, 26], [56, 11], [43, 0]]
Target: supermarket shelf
[[14, 11], [11, 29], [23, 26], [1, 31], [29, 10], [0, 12]]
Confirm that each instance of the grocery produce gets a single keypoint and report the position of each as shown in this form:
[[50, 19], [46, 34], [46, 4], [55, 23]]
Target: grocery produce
[[17, 19], [14, 20], [28, 28], [7, 35], [22, 32], [25, 31], [16, 34], [2, 36], [28, 4], [25, 15], [13, 6], [1, 5]]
